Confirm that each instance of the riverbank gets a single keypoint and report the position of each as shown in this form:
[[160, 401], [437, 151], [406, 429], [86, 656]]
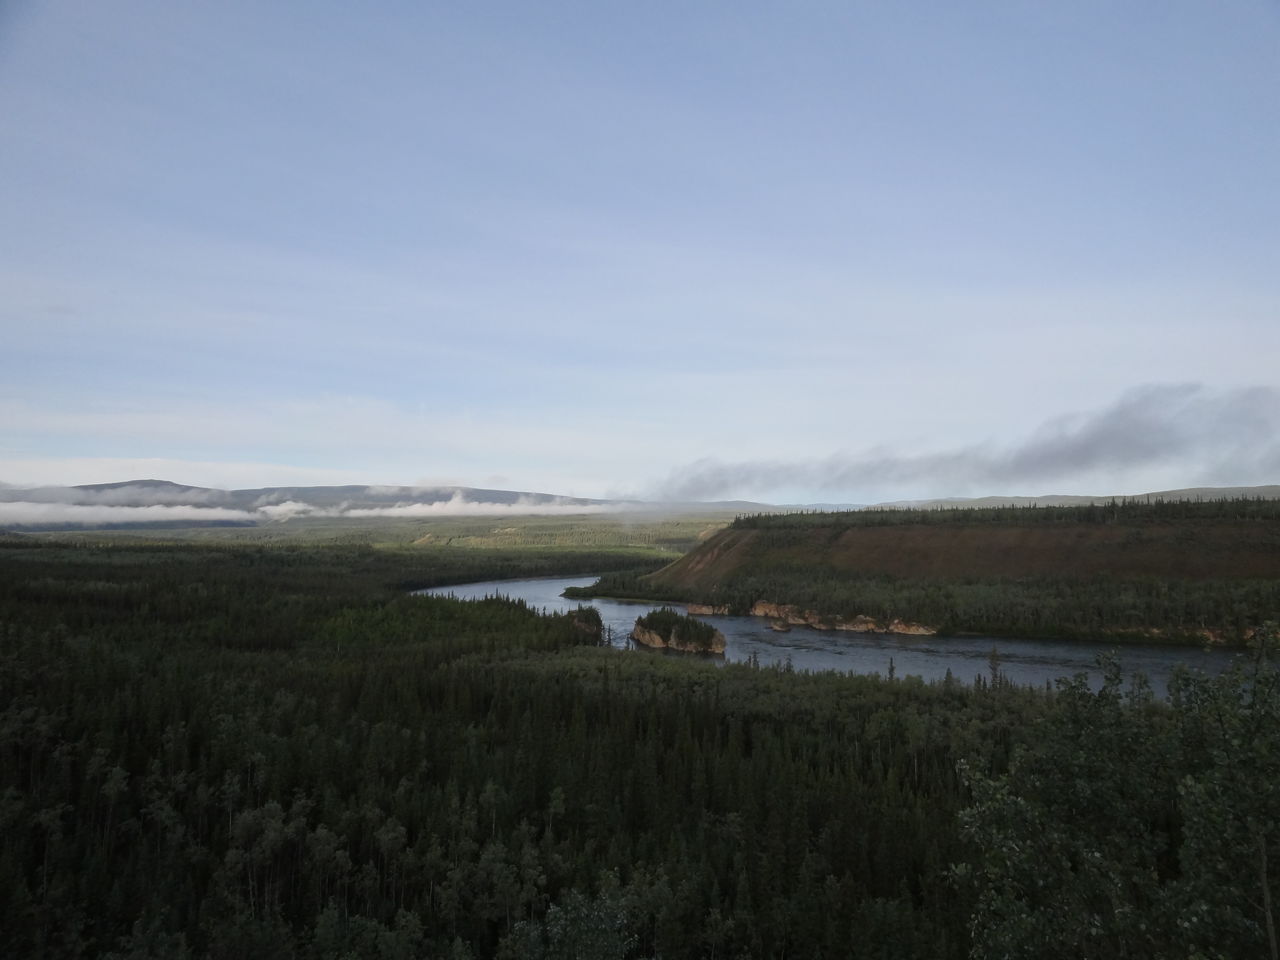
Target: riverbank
[[954, 656], [795, 615]]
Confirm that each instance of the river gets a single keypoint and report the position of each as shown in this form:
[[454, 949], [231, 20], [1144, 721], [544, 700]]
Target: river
[[1034, 662]]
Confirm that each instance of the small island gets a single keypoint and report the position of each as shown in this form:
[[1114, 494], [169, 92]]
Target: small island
[[674, 631]]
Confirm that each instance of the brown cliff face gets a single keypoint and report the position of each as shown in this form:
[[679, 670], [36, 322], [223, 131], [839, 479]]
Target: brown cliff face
[[783, 613], [651, 638], [707, 609], [912, 629]]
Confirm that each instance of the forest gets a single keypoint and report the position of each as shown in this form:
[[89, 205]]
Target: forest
[[245, 750], [1143, 509]]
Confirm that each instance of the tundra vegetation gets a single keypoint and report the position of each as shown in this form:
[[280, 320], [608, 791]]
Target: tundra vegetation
[[230, 750], [654, 534]]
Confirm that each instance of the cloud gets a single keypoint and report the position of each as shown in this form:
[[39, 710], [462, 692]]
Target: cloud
[[1227, 436], [456, 506], [1153, 437], [26, 513], [55, 505], [288, 510]]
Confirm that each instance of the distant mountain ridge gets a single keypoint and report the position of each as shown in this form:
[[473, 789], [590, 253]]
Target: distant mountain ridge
[[149, 502], [149, 492]]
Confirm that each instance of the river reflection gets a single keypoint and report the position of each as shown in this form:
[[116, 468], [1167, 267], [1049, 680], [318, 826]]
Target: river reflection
[[1034, 662]]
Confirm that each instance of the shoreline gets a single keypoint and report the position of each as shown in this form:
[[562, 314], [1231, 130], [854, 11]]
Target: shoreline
[[1120, 638]]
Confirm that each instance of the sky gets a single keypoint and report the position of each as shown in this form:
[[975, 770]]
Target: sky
[[815, 252]]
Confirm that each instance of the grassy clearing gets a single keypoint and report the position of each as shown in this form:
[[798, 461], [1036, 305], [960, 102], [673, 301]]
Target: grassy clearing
[[655, 535]]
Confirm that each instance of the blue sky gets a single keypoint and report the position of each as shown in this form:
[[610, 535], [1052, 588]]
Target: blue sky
[[583, 247]]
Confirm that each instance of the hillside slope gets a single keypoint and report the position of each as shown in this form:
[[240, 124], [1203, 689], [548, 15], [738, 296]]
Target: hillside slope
[[1194, 550], [1189, 571]]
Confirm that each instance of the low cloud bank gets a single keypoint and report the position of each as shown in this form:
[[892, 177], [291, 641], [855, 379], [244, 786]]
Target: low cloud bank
[[1228, 436], [456, 506], [25, 513], [51, 507]]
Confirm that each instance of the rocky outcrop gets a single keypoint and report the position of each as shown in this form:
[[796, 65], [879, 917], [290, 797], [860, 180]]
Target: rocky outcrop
[[911, 629], [707, 609], [651, 638], [783, 613]]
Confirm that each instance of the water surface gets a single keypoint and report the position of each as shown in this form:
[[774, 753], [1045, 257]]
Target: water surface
[[1035, 662]]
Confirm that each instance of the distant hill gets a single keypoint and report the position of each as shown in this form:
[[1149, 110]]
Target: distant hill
[[152, 503], [145, 493], [148, 503]]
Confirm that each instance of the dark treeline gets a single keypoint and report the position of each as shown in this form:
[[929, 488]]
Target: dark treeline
[[265, 753], [1066, 608], [249, 595], [1127, 511]]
